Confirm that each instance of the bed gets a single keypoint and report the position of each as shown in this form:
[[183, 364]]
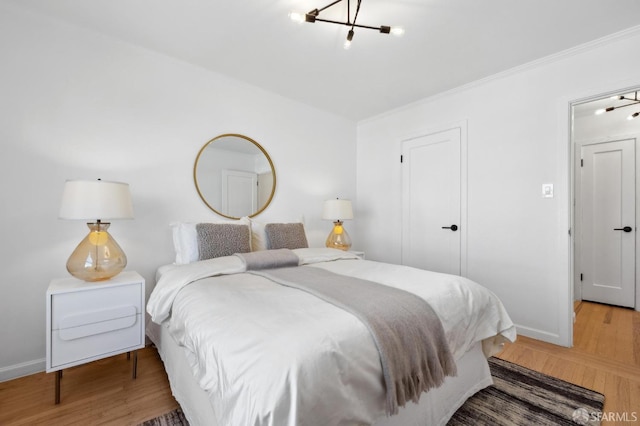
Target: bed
[[242, 349]]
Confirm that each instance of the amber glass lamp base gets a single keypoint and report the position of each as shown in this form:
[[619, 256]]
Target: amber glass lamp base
[[338, 238], [98, 257]]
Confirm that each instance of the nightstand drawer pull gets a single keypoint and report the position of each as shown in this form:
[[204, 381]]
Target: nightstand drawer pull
[[91, 317], [97, 328]]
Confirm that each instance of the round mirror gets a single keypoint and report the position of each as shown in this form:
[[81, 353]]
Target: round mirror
[[234, 176]]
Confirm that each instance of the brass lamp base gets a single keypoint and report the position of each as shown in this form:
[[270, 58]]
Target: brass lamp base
[[98, 257], [338, 238]]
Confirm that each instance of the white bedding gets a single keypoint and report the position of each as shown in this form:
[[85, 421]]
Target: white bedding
[[272, 355]]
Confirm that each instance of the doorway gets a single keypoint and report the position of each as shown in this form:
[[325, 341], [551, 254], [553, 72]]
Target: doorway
[[605, 196], [605, 224]]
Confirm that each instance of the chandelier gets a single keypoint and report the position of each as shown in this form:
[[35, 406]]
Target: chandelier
[[314, 16], [632, 101]]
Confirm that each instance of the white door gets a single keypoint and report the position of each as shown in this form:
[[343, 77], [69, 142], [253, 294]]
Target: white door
[[431, 193], [239, 193], [607, 222]]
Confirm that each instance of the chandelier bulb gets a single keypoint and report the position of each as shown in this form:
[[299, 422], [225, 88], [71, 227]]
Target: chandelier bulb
[[634, 115], [600, 111], [397, 31], [296, 17], [347, 42]]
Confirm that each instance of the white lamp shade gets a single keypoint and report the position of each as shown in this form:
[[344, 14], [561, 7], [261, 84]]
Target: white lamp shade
[[337, 210], [96, 199]]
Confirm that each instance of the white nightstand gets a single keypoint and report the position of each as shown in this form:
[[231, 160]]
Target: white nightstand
[[87, 321]]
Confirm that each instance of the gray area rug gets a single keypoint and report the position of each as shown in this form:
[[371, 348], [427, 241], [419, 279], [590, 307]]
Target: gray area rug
[[523, 397], [519, 397], [173, 418]]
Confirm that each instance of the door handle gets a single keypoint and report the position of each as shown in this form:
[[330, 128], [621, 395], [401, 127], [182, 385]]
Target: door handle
[[454, 228], [625, 229]]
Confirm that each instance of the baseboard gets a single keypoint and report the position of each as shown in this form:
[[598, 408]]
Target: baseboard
[[20, 370], [545, 336]]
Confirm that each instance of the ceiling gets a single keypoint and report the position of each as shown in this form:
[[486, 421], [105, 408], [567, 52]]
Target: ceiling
[[447, 43]]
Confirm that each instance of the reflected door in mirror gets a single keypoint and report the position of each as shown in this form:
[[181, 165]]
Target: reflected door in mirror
[[239, 193]]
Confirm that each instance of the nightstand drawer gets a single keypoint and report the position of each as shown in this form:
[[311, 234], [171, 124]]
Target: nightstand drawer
[[93, 306], [93, 342]]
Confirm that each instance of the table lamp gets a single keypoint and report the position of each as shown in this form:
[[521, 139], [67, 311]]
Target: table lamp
[[98, 257], [338, 210]]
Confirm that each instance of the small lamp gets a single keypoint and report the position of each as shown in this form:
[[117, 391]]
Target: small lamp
[[338, 210], [97, 257]]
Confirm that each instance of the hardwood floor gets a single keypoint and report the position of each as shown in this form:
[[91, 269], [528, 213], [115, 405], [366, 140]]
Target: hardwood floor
[[98, 393], [605, 358]]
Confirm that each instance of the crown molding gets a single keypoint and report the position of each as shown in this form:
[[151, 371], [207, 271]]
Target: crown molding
[[556, 57]]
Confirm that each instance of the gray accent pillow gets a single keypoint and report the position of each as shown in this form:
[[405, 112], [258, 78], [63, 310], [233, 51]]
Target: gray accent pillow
[[286, 235], [222, 239]]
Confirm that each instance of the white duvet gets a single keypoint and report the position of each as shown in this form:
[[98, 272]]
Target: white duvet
[[273, 355]]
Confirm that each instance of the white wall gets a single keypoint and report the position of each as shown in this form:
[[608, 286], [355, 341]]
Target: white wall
[[75, 104], [518, 139]]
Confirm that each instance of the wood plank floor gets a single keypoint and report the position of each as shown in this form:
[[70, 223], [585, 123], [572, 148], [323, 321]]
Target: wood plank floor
[[605, 357], [98, 393]]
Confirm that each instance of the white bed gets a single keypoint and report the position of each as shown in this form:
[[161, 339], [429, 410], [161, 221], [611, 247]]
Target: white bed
[[241, 350]]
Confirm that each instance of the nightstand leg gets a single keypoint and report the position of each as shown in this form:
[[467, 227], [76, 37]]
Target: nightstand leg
[[58, 377], [135, 365]]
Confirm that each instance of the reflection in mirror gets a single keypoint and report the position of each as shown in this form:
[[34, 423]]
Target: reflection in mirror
[[234, 176]]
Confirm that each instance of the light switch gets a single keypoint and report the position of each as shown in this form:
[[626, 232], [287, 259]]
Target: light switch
[[547, 190]]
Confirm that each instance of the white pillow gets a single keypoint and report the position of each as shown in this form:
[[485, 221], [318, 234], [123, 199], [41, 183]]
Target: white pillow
[[185, 240], [258, 235]]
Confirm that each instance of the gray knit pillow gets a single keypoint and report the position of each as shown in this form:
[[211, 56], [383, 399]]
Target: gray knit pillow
[[286, 235], [222, 239]]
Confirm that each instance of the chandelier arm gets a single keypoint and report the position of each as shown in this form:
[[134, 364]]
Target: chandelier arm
[[348, 24], [316, 12], [632, 103], [635, 97], [356, 15]]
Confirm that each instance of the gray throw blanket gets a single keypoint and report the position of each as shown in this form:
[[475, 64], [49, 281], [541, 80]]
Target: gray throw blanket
[[414, 353], [269, 259]]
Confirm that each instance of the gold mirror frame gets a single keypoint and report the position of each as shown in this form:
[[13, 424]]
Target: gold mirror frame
[[209, 203]]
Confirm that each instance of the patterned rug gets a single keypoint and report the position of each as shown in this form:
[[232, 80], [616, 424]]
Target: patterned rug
[[523, 397], [173, 418], [519, 397]]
